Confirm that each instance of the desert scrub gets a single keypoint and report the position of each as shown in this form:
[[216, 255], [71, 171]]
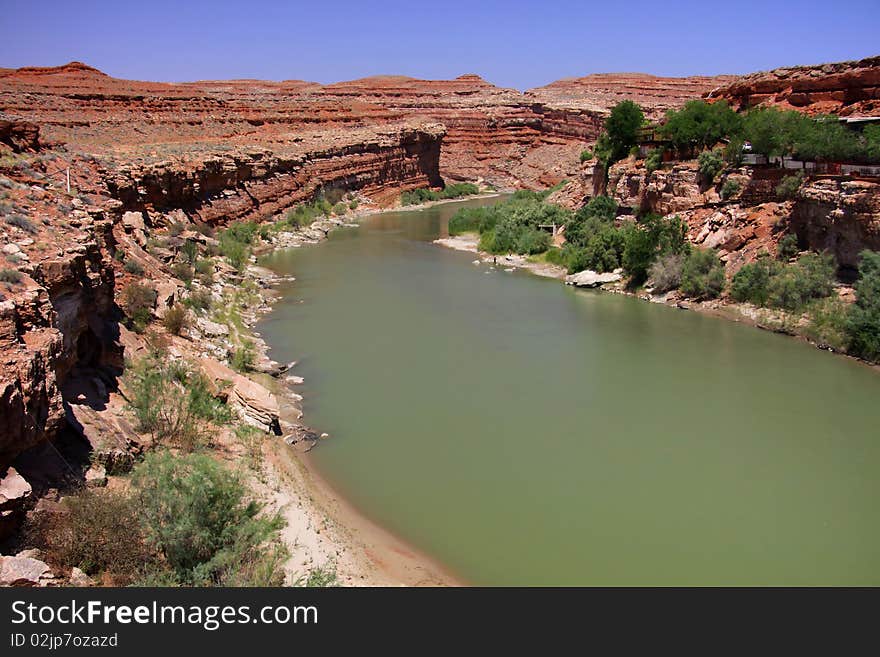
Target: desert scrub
[[199, 518], [182, 271], [243, 357], [665, 273], [176, 319], [730, 188], [138, 301], [788, 187], [10, 276], [199, 300], [133, 267], [174, 404], [96, 531], [20, 221]]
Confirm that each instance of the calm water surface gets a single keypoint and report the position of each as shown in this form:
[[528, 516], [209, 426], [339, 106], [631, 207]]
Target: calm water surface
[[523, 432]]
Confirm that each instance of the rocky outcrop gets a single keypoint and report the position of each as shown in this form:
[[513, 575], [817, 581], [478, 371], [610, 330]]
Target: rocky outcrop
[[840, 216], [15, 493], [843, 88], [255, 183], [25, 571], [19, 135], [255, 405]]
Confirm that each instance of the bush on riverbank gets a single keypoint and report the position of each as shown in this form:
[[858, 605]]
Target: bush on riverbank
[[236, 241], [863, 322], [791, 287], [702, 274], [456, 190], [184, 521]]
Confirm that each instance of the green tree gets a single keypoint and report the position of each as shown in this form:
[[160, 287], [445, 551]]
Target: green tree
[[863, 323], [621, 129], [701, 124]]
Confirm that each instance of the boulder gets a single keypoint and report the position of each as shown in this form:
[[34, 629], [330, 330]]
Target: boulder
[[255, 404], [211, 329], [79, 578], [96, 476], [588, 278], [15, 492], [24, 571]]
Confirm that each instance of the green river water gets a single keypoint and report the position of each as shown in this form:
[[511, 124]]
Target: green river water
[[526, 433]]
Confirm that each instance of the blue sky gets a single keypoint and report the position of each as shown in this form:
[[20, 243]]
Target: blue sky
[[514, 43]]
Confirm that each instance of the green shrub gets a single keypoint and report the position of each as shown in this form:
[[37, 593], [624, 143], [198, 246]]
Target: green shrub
[[531, 241], [321, 577], [730, 188], [787, 247], [586, 155], [456, 190], [175, 229], [243, 357], [710, 163], [702, 274], [354, 204], [11, 276], [863, 323], [665, 272], [138, 301], [173, 404], [175, 319], [556, 256], [340, 209], [199, 519], [654, 160], [751, 283], [788, 187], [654, 237], [828, 323], [133, 267], [793, 286], [236, 241]]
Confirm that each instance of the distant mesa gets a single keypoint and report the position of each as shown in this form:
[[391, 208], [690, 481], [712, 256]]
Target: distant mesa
[[69, 68]]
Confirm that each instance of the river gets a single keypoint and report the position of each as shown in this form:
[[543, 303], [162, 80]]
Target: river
[[526, 433]]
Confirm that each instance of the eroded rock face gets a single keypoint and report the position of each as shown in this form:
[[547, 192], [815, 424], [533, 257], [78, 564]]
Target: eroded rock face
[[842, 217], [843, 88], [255, 405]]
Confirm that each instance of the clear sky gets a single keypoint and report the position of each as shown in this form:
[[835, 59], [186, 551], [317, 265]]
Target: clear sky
[[514, 43]]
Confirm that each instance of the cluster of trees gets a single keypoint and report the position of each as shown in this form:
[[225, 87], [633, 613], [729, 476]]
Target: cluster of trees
[[771, 132], [456, 190], [806, 286], [511, 226]]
